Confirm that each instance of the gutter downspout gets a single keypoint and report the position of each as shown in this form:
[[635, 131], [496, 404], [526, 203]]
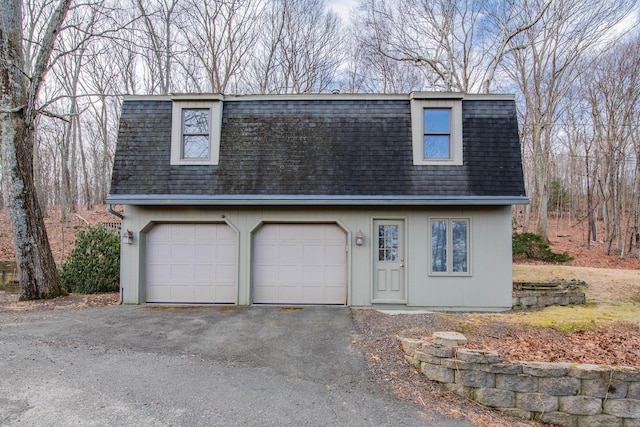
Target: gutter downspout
[[116, 213], [119, 215]]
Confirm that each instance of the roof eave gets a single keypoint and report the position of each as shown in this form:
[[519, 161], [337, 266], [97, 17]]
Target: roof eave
[[310, 200]]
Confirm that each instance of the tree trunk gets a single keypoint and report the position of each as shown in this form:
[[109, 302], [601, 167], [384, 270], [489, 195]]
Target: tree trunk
[[36, 266]]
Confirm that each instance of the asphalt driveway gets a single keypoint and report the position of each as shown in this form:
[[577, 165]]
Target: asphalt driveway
[[154, 366]]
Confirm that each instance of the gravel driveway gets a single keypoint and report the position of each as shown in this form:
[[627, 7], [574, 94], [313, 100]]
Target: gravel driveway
[[144, 366]]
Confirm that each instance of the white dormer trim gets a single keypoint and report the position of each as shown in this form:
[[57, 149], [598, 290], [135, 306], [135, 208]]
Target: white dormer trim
[[215, 122], [451, 101]]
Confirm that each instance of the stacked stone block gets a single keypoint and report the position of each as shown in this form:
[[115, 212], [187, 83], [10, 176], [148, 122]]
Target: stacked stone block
[[539, 295], [572, 395]]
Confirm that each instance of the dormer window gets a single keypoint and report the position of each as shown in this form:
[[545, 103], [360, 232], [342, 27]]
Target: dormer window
[[195, 138], [436, 121], [437, 134], [195, 133]]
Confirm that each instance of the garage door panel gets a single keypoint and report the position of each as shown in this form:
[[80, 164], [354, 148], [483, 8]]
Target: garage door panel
[[204, 252], [266, 294], [225, 234], [182, 252], [289, 295], [203, 273], [290, 252], [225, 274], [159, 292], [333, 293], [182, 232], [157, 273], [203, 293], [181, 272], [312, 293], [187, 263], [181, 290], [295, 263], [162, 252], [312, 232], [288, 274], [159, 234], [334, 254], [313, 274], [225, 253], [225, 293], [334, 274], [206, 234], [313, 254]]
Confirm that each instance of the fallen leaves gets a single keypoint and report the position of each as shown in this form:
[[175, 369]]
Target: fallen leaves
[[617, 344]]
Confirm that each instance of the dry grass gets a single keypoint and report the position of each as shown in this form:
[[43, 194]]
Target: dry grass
[[613, 296], [605, 285]]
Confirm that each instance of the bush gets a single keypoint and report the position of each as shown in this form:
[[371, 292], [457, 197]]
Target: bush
[[532, 246], [94, 263]]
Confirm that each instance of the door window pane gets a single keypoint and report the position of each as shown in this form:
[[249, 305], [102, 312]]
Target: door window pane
[[388, 243]]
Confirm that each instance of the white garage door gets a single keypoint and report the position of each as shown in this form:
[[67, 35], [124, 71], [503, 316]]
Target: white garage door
[[300, 264], [191, 263]]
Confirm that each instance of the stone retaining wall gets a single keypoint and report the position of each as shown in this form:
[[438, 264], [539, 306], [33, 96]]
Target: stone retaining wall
[[8, 275], [572, 395], [556, 292]]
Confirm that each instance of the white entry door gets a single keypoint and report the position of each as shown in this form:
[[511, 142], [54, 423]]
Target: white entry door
[[388, 261], [300, 264], [191, 263]]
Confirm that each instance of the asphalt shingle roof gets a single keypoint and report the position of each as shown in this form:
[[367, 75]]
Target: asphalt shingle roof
[[315, 147]]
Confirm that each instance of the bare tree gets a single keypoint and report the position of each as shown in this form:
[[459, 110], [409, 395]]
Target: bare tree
[[614, 101], [299, 50], [18, 111], [156, 42], [545, 69], [218, 37], [459, 43], [369, 70]]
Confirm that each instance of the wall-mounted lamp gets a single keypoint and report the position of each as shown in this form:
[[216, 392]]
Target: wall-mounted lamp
[[359, 238], [127, 237]]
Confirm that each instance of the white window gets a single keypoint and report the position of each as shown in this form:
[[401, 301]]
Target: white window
[[437, 134], [449, 244], [436, 129], [196, 130], [195, 137]]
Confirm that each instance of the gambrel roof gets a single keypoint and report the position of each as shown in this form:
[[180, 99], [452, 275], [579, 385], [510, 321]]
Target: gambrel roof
[[328, 149]]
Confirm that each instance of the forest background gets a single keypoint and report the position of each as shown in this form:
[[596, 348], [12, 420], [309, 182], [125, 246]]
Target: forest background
[[574, 67]]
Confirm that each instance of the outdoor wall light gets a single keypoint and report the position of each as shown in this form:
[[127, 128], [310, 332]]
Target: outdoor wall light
[[359, 238], [127, 237]]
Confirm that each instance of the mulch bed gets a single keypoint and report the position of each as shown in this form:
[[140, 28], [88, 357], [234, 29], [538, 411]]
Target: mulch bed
[[606, 345], [377, 339], [378, 332]]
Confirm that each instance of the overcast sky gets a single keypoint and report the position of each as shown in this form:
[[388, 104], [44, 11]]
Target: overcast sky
[[342, 7]]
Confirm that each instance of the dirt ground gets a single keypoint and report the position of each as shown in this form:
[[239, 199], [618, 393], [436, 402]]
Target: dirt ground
[[62, 233]]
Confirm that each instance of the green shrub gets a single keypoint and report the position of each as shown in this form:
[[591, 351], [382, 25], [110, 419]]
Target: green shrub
[[559, 196], [532, 246], [94, 263]]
